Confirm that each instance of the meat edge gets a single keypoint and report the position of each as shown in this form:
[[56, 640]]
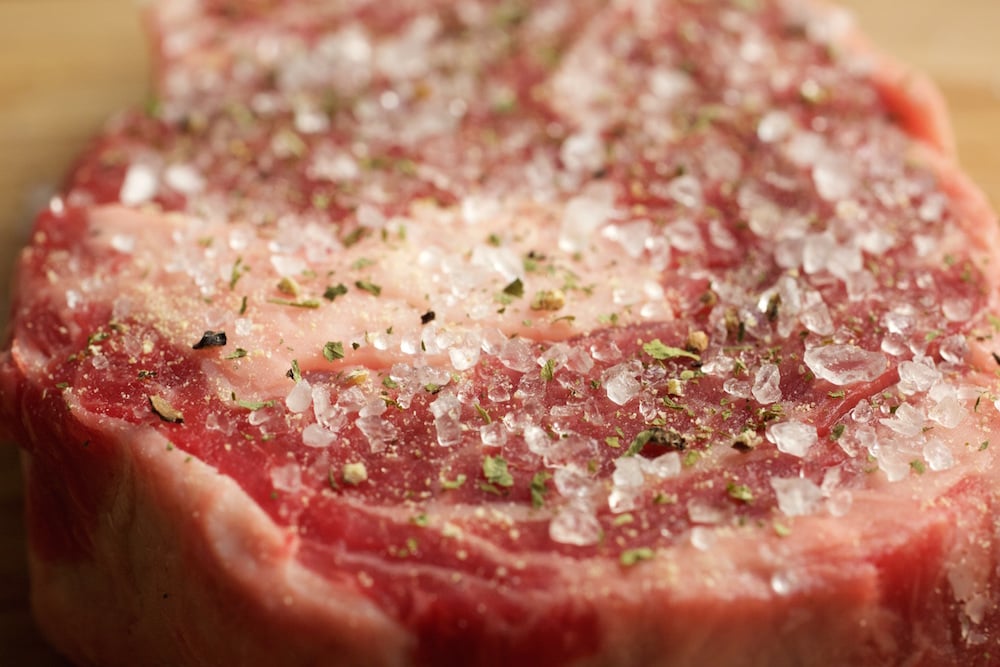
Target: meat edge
[[183, 564]]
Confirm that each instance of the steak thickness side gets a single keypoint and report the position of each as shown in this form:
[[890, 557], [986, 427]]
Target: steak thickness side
[[653, 333]]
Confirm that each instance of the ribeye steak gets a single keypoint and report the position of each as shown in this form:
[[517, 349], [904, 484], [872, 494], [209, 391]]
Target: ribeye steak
[[632, 333]]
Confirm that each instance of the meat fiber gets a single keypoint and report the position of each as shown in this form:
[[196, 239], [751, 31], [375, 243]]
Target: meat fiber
[[653, 333]]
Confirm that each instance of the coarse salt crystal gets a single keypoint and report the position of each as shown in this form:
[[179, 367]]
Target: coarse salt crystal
[[582, 153], [315, 435], [447, 411], [796, 496], [916, 377], [493, 434], [844, 364], [949, 412], [702, 511], [378, 431], [140, 185], [792, 437], [300, 397], [775, 126], [575, 524], [767, 384], [907, 420], [620, 382], [184, 179], [287, 478], [938, 455]]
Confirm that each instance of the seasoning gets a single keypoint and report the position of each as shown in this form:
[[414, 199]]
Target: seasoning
[[333, 350], [630, 557], [368, 286], [211, 339], [495, 471], [162, 408], [657, 350]]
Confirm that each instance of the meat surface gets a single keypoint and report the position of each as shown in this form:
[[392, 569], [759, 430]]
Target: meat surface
[[554, 333]]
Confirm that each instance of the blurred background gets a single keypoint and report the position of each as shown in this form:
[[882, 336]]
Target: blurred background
[[66, 65]]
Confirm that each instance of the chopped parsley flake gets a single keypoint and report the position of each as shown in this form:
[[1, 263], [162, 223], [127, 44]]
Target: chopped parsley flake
[[659, 351], [333, 350], [539, 488], [739, 492], [452, 484], [369, 286], [837, 431], [495, 471], [306, 303], [514, 289], [658, 436], [548, 369], [333, 291], [918, 466], [238, 353], [253, 406], [630, 557], [483, 414]]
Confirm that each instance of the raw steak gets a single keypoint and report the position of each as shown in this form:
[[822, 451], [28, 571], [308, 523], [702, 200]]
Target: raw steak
[[488, 333]]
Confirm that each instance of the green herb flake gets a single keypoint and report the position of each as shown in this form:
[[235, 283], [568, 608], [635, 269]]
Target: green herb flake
[[421, 520], [691, 458], [361, 263], [495, 471], [305, 303], [664, 437], [984, 445], [548, 370], [333, 350], [740, 492], [238, 271], [62, 385], [918, 466], [660, 352], [932, 334], [389, 383], [623, 519], [781, 529], [368, 286], [333, 291], [539, 488], [840, 393], [630, 557], [452, 484], [483, 414], [254, 406], [613, 442], [514, 289], [238, 353], [837, 431]]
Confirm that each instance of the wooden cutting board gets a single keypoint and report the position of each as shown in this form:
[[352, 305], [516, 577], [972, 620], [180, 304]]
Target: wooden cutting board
[[65, 65]]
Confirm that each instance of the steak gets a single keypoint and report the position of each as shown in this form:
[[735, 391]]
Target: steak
[[487, 333]]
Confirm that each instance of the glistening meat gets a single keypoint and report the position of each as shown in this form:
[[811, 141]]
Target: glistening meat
[[489, 333]]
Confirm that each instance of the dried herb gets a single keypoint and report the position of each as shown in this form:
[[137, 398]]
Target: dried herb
[[162, 408], [211, 339]]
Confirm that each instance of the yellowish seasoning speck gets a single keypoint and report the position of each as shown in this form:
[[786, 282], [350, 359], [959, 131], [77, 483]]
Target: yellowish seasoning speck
[[354, 473], [697, 341], [548, 300]]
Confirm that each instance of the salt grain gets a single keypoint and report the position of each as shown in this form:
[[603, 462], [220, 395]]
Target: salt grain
[[845, 364], [287, 478], [796, 496], [575, 524], [938, 455], [447, 411], [916, 377], [140, 185], [792, 437], [949, 412], [300, 397], [620, 382], [315, 435], [767, 384]]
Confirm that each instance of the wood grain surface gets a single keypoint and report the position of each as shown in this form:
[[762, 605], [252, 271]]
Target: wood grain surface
[[66, 65]]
